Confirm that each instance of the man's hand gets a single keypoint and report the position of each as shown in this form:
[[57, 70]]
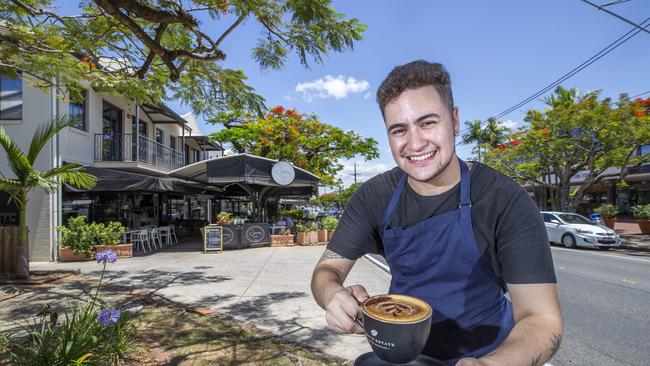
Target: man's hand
[[343, 307], [468, 361]]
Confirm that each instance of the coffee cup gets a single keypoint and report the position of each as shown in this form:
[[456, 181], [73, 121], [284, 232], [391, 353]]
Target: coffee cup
[[397, 326]]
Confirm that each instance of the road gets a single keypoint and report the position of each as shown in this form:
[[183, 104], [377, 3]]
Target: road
[[605, 299]]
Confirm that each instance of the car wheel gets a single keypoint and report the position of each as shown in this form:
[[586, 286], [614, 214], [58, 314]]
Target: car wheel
[[603, 248], [568, 240]]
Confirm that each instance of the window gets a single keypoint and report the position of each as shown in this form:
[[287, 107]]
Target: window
[[172, 142], [195, 155], [143, 127], [159, 136], [644, 150], [549, 217], [77, 112], [11, 98]]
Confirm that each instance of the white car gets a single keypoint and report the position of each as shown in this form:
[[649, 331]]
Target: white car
[[573, 230]]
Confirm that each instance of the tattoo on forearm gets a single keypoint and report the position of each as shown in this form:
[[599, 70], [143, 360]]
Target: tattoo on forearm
[[536, 360], [328, 254], [555, 344]]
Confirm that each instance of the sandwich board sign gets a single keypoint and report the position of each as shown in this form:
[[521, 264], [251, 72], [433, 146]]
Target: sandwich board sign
[[213, 240]]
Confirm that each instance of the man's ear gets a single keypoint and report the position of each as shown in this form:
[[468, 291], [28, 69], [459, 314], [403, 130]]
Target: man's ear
[[454, 118]]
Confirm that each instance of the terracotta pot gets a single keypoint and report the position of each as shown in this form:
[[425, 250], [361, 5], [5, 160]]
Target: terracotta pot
[[322, 236], [610, 222], [302, 238], [281, 240], [122, 250], [330, 234], [644, 225], [313, 237], [66, 254]]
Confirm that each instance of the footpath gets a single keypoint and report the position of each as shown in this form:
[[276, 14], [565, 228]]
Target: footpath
[[631, 237]]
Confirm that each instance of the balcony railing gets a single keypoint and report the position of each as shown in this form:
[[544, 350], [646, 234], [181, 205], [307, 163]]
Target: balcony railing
[[122, 147]]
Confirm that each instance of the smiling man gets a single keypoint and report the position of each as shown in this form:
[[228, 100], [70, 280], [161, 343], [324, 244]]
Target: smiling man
[[457, 235]]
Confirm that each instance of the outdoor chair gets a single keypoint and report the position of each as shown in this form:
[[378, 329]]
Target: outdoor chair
[[172, 235], [139, 239], [163, 232], [155, 235]]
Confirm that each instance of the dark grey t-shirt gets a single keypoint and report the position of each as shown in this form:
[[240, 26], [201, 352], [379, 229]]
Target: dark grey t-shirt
[[508, 227]]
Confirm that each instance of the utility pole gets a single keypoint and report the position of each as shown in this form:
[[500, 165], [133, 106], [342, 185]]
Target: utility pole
[[355, 172]]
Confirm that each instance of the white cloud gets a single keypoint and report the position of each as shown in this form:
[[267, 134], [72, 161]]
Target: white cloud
[[365, 170], [509, 124], [367, 96], [337, 87]]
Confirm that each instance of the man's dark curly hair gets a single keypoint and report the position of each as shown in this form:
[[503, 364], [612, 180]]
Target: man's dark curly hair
[[415, 75]]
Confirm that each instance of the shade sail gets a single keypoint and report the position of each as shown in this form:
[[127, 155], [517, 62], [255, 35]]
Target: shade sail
[[110, 180], [241, 168]]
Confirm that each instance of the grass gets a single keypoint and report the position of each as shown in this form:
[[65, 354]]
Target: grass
[[186, 338]]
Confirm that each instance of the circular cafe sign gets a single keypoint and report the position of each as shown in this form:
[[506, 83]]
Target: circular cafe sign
[[255, 234], [283, 173]]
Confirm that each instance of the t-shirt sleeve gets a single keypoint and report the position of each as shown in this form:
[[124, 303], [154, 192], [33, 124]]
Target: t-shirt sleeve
[[355, 234], [522, 245]]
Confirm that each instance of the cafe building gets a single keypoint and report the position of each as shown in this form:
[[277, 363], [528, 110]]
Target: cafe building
[[154, 167]]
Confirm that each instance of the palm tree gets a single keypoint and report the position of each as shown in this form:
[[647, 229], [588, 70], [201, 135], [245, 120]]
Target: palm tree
[[475, 134], [27, 178], [493, 133]]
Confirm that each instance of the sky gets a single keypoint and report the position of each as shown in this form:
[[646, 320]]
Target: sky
[[497, 52]]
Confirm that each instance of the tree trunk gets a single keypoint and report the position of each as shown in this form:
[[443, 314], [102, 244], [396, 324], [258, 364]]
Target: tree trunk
[[564, 196], [22, 249]]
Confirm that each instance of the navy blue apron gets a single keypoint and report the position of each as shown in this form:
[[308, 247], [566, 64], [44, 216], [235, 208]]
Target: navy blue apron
[[438, 261]]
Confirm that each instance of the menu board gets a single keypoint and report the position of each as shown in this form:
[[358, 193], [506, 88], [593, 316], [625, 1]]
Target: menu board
[[213, 239]]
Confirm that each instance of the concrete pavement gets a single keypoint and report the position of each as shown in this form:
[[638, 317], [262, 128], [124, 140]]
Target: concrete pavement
[[268, 287]]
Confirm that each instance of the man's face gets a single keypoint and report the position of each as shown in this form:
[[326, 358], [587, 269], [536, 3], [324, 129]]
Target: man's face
[[421, 132]]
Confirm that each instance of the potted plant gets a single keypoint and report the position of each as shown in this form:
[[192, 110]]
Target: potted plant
[[110, 237], [302, 234], [77, 243], [608, 212], [313, 233], [641, 214], [329, 223], [223, 218], [322, 232]]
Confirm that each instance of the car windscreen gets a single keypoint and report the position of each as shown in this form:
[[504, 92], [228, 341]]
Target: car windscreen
[[574, 219]]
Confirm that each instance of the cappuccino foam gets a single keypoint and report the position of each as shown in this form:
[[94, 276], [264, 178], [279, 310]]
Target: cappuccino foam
[[396, 308]]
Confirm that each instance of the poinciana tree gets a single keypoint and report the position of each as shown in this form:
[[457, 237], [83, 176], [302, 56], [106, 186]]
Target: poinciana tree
[[26, 178], [576, 134], [166, 49], [303, 140]]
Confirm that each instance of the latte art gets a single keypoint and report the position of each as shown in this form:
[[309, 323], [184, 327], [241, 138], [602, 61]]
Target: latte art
[[396, 308]]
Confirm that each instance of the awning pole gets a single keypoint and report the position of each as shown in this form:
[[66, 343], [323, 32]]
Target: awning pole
[[137, 129]]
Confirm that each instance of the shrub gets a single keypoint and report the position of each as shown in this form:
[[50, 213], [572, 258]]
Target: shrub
[[641, 212], [85, 333], [329, 223], [76, 235], [607, 210], [107, 234], [294, 214], [302, 228]]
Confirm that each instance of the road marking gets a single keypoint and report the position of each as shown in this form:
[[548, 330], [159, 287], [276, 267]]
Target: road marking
[[618, 256], [627, 280]]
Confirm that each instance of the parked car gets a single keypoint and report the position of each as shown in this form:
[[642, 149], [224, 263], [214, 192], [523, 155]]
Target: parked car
[[573, 230]]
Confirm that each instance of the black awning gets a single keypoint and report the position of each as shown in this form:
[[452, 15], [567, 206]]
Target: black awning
[[110, 180], [250, 169]]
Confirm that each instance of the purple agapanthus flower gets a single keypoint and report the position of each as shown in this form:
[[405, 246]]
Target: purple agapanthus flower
[[106, 256], [108, 317]]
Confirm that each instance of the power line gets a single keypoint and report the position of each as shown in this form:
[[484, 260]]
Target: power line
[[616, 15], [609, 48]]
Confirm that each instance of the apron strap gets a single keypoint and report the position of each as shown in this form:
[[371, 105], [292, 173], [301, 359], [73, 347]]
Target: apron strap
[[393, 201], [465, 200]]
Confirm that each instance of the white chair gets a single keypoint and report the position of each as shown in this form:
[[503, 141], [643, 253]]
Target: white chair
[[155, 235], [139, 239], [163, 232], [172, 235]]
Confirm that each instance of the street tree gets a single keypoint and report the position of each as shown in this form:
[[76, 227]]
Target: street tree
[[347, 193], [166, 50], [576, 134], [491, 134], [26, 178], [301, 139]]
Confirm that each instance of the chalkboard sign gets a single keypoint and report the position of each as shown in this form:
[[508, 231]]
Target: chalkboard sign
[[213, 239]]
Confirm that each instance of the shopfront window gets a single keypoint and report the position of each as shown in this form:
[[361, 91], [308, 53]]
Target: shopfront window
[[11, 98], [77, 112]]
